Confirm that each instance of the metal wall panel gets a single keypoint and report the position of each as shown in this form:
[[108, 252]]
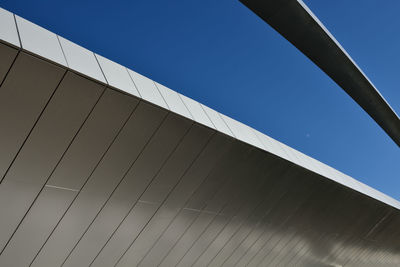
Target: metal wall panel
[[322, 236], [385, 232], [354, 233], [343, 230], [43, 149], [255, 230], [263, 176], [155, 167], [219, 232], [209, 201], [102, 182], [40, 41], [79, 161], [120, 239], [168, 192], [36, 226], [294, 198], [122, 83], [162, 229], [23, 95], [8, 29], [45, 145], [121, 211], [96, 136], [147, 89], [234, 196], [173, 101], [112, 180], [263, 197], [81, 60], [296, 226], [117, 76], [7, 55]]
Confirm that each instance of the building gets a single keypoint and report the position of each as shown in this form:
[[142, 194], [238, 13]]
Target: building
[[101, 166]]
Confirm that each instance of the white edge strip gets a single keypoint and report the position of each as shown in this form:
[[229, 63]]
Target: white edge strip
[[8, 29], [173, 100], [46, 44], [40, 41], [81, 60], [117, 76], [197, 111], [147, 89], [217, 120]]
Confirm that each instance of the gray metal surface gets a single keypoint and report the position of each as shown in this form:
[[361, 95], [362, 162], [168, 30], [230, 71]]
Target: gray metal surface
[[295, 21], [93, 175]]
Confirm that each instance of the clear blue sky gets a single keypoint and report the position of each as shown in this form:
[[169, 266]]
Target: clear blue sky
[[224, 56]]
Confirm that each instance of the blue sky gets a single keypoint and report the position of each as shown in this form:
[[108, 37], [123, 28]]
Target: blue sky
[[224, 56]]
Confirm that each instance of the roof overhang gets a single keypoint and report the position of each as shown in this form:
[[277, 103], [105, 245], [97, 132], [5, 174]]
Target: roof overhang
[[101, 166]]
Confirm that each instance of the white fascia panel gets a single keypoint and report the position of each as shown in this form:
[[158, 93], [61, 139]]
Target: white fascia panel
[[8, 29], [290, 156], [321, 168], [346, 180], [365, 189], [216, 119], [304, 160], [197, 111], [117, 76], [271, 145], [147, 89], [309, 162], [81, 60], [330, 174], [352, 183], [40, 41], [252, 137], [328, 171], [243, 132], [299, 158], [341, 178], [293, 155], [379, 195], [174, 101]]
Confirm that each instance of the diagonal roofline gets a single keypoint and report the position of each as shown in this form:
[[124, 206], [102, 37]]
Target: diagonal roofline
[[27, 37]]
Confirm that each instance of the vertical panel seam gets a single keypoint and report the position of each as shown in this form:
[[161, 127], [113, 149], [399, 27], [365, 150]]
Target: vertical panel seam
[[134, 84], [34, 125], [55, 167], [62, 50], [170, 192], [86, 181], [18, 34], [158, 90], [112, 194], [98, 63]]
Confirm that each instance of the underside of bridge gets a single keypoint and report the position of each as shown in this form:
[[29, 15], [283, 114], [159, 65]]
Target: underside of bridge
[[96, 173]]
